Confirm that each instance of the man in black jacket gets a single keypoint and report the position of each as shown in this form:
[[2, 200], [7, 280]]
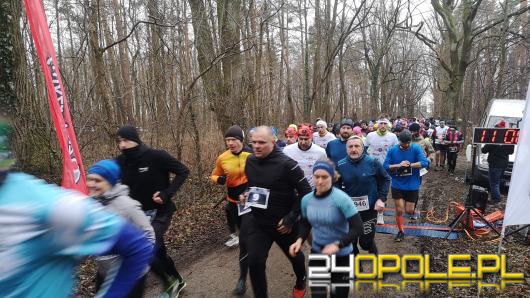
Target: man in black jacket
[[147, 173], [272, 173], [498, 161]]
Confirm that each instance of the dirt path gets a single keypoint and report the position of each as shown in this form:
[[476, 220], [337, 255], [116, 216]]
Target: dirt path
[[215, 274]]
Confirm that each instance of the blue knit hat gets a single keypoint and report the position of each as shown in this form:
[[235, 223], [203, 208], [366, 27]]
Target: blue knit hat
[[107, 169], [324, 165]]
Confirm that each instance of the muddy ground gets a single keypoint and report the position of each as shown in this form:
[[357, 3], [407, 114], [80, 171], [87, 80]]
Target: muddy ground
[[195, 241]]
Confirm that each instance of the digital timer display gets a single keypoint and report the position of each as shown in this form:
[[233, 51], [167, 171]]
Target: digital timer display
[[506, 136]]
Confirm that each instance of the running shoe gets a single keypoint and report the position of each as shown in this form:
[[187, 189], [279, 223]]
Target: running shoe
[[380, 218], [175, 291], [400, 236], [233, 241], [241, 288], [298, 292], [175, 287]]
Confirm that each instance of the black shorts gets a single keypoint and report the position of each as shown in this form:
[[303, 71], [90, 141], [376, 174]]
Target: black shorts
[[440, 147], [407, 195]]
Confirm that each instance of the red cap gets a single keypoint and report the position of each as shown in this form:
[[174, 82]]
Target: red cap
[[501, 124], [305, 131]]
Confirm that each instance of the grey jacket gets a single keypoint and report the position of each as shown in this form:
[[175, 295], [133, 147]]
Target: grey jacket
[[117, 200]]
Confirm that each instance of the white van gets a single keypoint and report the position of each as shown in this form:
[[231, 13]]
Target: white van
[[509, 110]]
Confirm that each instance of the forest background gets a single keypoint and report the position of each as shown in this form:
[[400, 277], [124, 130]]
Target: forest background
[[184, 71]]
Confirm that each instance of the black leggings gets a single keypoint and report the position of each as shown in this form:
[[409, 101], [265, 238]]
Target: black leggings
[[243, 253], [232, 218], [367, 239], [451, 160], [336, 278], [163, 266], [259, 239]]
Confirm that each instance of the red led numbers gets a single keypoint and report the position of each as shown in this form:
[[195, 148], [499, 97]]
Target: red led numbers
[[483, 137], [506, 136], [511, 136]]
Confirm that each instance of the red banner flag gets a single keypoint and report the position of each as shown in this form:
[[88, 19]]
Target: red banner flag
[[73, 172]]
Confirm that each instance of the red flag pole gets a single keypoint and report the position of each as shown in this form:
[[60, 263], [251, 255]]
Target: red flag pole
[[73, 172]]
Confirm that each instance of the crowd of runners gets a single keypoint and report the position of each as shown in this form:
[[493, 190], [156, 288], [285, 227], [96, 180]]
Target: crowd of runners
[[330, 181], [323, 182]]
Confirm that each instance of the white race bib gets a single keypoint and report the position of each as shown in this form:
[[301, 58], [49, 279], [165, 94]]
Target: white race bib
[[361, 203], [258, 197]]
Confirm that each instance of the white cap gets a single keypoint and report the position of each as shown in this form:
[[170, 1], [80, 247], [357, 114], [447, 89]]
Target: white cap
[[322, 122], [383, 120]]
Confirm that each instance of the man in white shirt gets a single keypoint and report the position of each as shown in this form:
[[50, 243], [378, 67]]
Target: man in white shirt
[[378, 143], [438, 136], [322, 136], [305, 153]]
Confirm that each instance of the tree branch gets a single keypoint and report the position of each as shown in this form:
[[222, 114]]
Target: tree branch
[[478, 31], [132, 31]]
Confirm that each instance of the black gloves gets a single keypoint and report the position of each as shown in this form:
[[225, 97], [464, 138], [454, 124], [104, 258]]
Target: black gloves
[[289, 220]]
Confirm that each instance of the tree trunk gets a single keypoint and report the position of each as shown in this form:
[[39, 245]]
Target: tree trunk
[[102, 94], [125, 67]]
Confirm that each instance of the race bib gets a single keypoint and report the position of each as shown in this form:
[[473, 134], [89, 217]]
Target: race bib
[[243, 209], [361, 203], [258, 197], [453, 149], [404, 171]]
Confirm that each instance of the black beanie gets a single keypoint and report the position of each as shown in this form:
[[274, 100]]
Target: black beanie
[[235, 132], [346, 121], [130, 133]]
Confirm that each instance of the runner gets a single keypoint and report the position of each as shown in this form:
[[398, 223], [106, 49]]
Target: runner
[[147, 171], [419, 140], [279, 184], [230, 170], [332, 217], [250, 132], [378, 143], [43, 239], [322, 136], [357, 131], [428, 150], [291, 136], [365, 129], [305, 153], [103, 186], [365, 180], [279, 142], [438, 135], [454, 141], [403, 162], [336, 149]]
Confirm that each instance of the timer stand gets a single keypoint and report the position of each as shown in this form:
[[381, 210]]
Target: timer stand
[[468, 205]]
